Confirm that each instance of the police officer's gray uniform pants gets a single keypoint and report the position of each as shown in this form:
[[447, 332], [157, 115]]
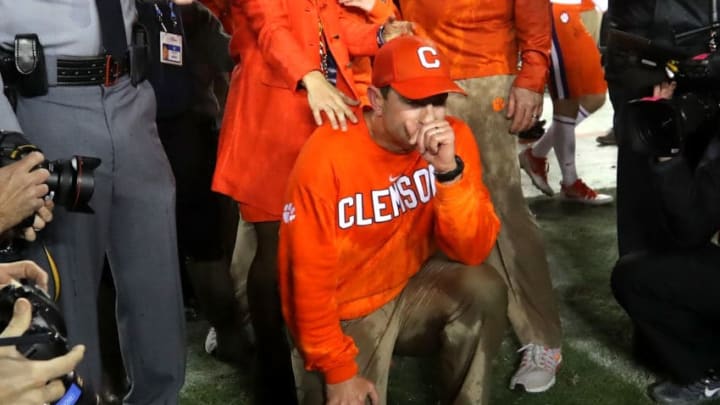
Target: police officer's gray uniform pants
[[133, 224]]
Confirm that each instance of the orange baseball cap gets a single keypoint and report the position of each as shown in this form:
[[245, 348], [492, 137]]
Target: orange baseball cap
[[414, 67]]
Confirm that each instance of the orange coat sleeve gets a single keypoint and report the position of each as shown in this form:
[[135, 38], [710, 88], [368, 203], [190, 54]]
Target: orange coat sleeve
[[308, 287], [360, 37], [533, 27], [279, 47], [466, 225]]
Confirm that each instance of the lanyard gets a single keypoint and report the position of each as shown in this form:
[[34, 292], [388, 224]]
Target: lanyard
[[173, 16]]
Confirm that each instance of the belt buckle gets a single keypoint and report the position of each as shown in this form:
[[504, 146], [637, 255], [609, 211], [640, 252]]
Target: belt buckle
[[112, 71]]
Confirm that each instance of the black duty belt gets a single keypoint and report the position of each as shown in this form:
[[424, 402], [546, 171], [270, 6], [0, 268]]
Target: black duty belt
[[91, 71]]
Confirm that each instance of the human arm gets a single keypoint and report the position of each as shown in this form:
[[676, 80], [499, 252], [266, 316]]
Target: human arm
[[533, 28], [465, 222], [466, 225], [355, 391], [16, 271], [216, 42], [361, 37], [22, 190], [270, 22], [308, 263], [29, 382], [690, 198], [377, 11]]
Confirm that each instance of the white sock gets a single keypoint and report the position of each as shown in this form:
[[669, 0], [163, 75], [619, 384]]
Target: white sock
[[582, 114], [542, 147], [564, 146]]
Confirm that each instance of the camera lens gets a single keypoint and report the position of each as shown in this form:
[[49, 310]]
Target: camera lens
[[72, 182]]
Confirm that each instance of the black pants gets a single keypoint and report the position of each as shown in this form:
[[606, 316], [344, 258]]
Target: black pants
[[672, 297], [638, 210], [274, 380]]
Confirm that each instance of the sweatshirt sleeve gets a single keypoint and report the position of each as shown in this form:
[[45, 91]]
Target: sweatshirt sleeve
[[533, 27], [308, 282], [8, 121], [466, 225]]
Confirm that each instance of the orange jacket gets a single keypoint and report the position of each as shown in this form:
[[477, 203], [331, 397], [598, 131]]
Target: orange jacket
[[267, 118], [359, 222], [362, 66], [482, 38]]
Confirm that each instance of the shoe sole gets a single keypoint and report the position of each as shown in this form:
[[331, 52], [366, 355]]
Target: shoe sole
[[586, 202], [606, 143], [536, 390], [544, 188]]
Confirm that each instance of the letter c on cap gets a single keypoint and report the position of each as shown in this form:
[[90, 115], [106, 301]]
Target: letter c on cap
[[428, 58]]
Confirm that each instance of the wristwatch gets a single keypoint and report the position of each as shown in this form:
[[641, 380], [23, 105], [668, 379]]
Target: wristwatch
[[452, 174]]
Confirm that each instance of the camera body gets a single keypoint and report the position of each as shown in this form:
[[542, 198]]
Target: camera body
[[681, 125], [71, 181], [45, 338]]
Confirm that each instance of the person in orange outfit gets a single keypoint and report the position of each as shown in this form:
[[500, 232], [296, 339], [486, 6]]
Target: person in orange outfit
[[371, 11], [293, 74], [483, 40], [577, 87], [384, 233]]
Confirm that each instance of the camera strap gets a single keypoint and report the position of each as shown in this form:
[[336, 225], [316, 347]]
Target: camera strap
[[26, 340]]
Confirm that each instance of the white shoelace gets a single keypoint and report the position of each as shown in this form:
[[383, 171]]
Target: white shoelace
[[539, 356]]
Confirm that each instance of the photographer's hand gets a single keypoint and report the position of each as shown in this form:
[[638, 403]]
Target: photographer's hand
[[21, 190], [29, 382], [664, 90], [41, 218], [23, 269]]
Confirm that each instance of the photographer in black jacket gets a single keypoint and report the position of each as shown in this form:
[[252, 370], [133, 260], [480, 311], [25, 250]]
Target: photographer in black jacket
[[669, 289], [667, 207], [665, 22]]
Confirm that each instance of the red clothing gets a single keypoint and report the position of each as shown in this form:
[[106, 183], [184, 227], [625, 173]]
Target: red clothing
[[359, 222], [267, 118], [482, 38]]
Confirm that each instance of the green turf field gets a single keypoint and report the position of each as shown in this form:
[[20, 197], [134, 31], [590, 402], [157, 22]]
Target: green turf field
[[597, 367]]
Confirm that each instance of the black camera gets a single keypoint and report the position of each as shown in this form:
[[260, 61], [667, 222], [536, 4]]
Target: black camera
[[45, 339], [71, 181], [681, 125]]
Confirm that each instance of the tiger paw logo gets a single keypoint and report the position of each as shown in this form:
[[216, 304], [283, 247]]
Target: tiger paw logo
[[288, 213]]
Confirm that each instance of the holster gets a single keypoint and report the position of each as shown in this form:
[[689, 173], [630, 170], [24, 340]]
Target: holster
[[139, 52], [24, 69]]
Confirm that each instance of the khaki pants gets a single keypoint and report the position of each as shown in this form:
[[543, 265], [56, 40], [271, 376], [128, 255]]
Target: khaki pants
[[519, 254], [450, 308], [592, 19]]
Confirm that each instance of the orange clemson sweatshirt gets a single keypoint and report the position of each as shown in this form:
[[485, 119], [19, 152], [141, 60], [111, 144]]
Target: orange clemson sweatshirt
[[358, 223]]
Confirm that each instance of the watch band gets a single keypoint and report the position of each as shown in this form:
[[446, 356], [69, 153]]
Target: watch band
[[452, 174]]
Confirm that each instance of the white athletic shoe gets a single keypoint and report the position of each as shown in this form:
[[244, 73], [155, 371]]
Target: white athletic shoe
[[211, 343], [580, 192], [537, 368]]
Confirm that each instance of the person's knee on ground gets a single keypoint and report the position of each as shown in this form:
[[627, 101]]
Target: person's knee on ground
[[485, 290], [473, 334], [626, 277]]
